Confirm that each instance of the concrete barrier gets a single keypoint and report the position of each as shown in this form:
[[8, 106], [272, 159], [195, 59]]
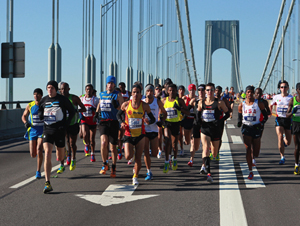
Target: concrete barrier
[[11, 124]]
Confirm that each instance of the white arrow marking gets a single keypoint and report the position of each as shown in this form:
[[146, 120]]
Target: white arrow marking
[[115, 194]]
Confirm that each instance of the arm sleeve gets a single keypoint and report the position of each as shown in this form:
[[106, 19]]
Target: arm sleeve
[[226, 116], [119, 116], [152, 118], [41, 110], [265, 114]]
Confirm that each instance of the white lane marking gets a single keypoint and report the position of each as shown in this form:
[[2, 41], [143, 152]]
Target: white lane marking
[[236, 139], [256, 182], [33, 178], [232, 210], [230, 126], [115, 194]]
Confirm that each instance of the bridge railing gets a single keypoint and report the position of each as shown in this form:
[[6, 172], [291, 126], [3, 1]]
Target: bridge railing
[[3, 103]]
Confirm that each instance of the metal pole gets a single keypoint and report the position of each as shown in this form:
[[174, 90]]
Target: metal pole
[[101, 47], [11, 55], [82, 73], [282, 66]]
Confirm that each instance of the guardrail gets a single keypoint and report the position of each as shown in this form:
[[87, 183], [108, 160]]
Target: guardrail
[[3, 103]]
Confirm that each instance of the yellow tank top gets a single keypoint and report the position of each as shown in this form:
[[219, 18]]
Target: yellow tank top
[[134, 120], [173, 115]]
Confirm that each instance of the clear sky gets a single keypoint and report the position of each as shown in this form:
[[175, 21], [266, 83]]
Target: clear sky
[[33, 25]]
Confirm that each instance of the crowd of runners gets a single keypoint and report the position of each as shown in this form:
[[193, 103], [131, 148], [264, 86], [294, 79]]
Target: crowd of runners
[[155, 123]]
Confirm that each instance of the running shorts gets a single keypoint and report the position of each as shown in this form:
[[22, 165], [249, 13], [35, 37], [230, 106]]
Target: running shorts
[[173, 126], [151, 135], [111, 129], [251, 131], [196, 131], [187, 123], [214, 132], [284, 122], [55, 137], [73, 129], [295, 127], [133, 140]]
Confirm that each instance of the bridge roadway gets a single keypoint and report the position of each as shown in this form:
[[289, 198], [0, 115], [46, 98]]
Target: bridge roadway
[[181, 197]]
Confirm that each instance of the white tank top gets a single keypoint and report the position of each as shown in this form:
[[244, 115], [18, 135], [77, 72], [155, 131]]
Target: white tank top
[[125, 95], [282, 104], [89, 103], [251, 113], [155, 110]]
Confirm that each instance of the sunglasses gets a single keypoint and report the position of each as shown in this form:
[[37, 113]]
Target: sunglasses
[[209, 90], [283, 87]]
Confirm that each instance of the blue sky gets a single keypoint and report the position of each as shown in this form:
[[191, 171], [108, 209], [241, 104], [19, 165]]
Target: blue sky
[[33, 24]]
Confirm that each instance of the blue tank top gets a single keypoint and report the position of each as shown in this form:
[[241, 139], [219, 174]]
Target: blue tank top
[[108, 112], [226, 95], [33, 116]]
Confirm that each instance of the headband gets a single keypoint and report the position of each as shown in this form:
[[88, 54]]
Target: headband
[[149, 87]]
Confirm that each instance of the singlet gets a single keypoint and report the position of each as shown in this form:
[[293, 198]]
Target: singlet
[[210, 113], [125, 95], [33, 116], [296, 116], [155, 111], [188, 100], [134, 120], [251, 113], [282, 104], [173, 115], [232, 96], [75, 119], [89, 103], [227, 96], [108, 111]]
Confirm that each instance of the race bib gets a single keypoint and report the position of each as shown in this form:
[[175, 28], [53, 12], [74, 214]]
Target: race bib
[[250, 118], [135, 123], [208, 115], [36, 121], [89, 112], [52, 115], [105, 105], [171, 113]]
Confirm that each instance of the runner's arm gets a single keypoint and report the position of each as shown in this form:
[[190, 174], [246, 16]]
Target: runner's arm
[[25, 114], [184, 108], [149, 113], [162, 109], [289, 112], [79, 103], [240, 115]]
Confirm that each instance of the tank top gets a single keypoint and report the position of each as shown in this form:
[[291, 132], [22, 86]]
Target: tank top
[[155, 111], [282, 104], [188, 100], [173, 115], [33, 115], [76, 116], [134, 120], [108, 111], [125, 95], [251, 113], [210, 113], [226, 95], [89, 103], [296, 116]]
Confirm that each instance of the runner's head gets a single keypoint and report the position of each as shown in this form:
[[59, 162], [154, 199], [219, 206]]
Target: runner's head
[[139, 84], [168, 82], [218, 91], [284, 87], [149, 89], [64, 89], [94, 93], [201, 91], [158, 90], [298, 87], [122, 87], [226, 89], [231, 89], [258, 93], [172, 90], [52, 88], [210, 89], [249, 92], [110, 83], [192, 89], [181, 91], [89, 90], [136, 93], [38, 94]]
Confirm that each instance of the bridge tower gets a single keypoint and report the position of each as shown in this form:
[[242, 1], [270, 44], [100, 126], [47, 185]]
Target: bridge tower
[[223, 34]]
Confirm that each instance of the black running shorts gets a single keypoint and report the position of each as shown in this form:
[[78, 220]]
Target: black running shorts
[[111, 129]]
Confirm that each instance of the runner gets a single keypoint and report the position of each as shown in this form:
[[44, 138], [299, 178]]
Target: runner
[[231, 100], [88, 125], [34, 131], [110, 101], [282, 123], [53, 109], [151, 137], [174, 106], [73, 128], [181, 91], [158, 93], [249, 114], [209, 111], [293, 110], [195, 142], [134, 127]]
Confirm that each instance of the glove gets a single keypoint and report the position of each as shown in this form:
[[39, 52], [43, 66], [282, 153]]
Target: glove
[[27, 125], [295, 109], [239, 124], [159, 123], [96, 117], [177, 106], [81, 116], [114, 103]]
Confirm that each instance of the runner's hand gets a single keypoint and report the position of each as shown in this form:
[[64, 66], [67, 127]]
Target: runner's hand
[[27, 125], [177, 106]]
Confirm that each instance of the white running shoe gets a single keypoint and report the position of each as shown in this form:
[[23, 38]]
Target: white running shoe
[[159, 154], [135, 181], [203, 170], [130, 161]]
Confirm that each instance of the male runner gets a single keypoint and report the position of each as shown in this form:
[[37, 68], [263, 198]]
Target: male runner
[[110, 101], [231, 100], [151, 135], [158, 93], [34, 128], [282, 123], [209, 111], [53, 109], [73, 128], [134, 127], [174, 106], [88, 125], [181, 94], [249, 113]]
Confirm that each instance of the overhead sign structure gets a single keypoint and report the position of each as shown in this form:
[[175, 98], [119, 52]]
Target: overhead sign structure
[[115, 194], [19, 60]]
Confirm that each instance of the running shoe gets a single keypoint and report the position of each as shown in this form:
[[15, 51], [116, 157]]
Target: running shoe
[[73, 165], [211, 156], [282, 161], [47, 187], [113, 173], [135, 181], [93, 159], [181, 153], [38, 175], [86, 150], [209, 178], [159, 154], [166, 167], [150, 152], [103, 169], [253, 162], [190, 163], [149, 176], [130, 161], [109, 158], [218, 157], [61, 169], [250, 177], [174, 165], [296, 172], [203, 170], [120, 155], [68, 160]]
